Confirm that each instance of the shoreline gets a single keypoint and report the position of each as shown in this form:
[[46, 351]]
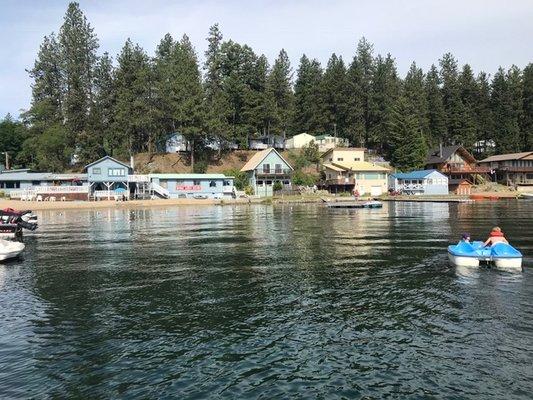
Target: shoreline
[[302, 199]]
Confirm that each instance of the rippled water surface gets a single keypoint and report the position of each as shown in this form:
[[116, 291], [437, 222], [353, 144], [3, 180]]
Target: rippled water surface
[[266, 302]]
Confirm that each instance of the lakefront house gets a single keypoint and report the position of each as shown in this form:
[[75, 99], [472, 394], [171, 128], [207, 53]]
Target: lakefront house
[[265, 169], [346, 170]]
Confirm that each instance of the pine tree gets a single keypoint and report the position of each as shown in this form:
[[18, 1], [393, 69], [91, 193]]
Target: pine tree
[[279, 88], [78, 45], [482, 112], [308, 115], [216, 102], [436, 112], [335, 96], [408, 146], [469, 98], [364, 64], [134, 113], [385, 91], [526, 125], [416, 97], [506, 122], [451, 96], [97, 140]]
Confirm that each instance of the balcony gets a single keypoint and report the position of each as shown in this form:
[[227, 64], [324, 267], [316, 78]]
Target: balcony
[[340, 181], [514, 169], [467, 169], [273, 172]]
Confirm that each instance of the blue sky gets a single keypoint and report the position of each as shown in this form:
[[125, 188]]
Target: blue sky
[[483, 33]]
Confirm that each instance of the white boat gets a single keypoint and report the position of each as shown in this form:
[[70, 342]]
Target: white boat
[[528, 196], [10, 249], [462, 261]]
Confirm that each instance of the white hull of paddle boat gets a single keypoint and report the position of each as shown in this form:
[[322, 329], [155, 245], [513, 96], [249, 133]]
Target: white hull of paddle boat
[[463, 261], [10, 249], [7, 235], [514, 264]]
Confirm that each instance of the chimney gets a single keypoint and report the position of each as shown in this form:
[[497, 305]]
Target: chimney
[[440, 149], [132, 163]]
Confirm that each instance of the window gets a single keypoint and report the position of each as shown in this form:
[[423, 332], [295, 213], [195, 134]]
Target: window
[[259, 183], [196, 183], [227, 183], [286, 182], [266, 168], [357, 159], [278, 169], [330, 159], [269, 183], [97, 170], [340, 159], [529, 176], [35, 183], [116, 172], [163, 184], [212, 184]]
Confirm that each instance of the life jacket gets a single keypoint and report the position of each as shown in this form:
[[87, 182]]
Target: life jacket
[[496, 234]]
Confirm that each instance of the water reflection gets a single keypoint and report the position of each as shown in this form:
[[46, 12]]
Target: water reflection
[[271, 301]]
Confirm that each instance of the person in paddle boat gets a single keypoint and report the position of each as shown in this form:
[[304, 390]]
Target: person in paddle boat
[[465, 237], [495, 236]]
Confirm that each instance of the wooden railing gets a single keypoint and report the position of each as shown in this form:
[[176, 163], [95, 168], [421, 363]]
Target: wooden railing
[[340, 181], [273, 172]]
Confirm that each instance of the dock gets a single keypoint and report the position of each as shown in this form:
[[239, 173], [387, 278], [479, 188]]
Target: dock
[[354, 204]]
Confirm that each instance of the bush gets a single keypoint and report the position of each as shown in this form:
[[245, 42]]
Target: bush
[[249, 190], [200, 167], [277, 186], [300, 178], [241, 179]]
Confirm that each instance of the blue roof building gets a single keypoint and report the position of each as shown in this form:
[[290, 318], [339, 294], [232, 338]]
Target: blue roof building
[[422, 182]]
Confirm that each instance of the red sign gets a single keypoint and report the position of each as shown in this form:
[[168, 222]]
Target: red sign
[[189, 188]]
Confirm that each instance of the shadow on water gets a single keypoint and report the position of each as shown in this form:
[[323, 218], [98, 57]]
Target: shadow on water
[[266, 301]]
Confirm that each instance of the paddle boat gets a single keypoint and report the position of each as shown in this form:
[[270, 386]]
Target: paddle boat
[[10, 249], [502, 255]]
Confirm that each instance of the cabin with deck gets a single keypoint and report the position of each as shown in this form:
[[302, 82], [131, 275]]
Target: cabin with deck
[[345, 170], [107, 178], [515, 169], [423, 182], [265, 169]]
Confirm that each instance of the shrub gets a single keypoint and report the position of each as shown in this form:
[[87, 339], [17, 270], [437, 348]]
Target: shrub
[[241, 179], [200, 167], [277, 186], [249, 190], [300, 178]]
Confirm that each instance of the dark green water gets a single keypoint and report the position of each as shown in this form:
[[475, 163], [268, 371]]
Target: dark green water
[[267, 302]]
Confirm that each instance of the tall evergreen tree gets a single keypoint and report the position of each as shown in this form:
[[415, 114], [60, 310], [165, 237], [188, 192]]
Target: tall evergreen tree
[[469, 98], [526, 125], [279, 88], [217, 105], [384, 92], [416, 97], [451, 95], [436, 112], [133, 121], [335, 96], [309, 113], [408, 146], [78, 45], [506, 122], [482, 112]]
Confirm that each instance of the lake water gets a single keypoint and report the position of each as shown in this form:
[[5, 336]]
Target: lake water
[[289, 301]]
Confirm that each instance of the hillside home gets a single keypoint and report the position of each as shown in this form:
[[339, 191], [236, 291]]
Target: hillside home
[[299, 141], [264, 169], [511, 169], [424, 182], [107, 177], [181, 186], [346, 171]]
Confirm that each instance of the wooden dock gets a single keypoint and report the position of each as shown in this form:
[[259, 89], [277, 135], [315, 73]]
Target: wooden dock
[[354, 204]]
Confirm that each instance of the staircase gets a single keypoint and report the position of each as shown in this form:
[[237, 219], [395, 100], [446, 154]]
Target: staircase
[[159, 190]]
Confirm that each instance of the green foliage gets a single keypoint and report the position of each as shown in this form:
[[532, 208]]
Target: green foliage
[[309, 111], [200, 167], [408, 147], [12, 135], [249, 190], [241, 179], [48, 151], [277, 186], [301, 178]]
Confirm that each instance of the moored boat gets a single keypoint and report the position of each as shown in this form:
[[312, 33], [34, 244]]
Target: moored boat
[[10, 249], [12, 222]]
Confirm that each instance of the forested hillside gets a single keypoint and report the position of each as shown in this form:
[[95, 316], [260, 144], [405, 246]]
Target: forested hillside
[[89, 103]]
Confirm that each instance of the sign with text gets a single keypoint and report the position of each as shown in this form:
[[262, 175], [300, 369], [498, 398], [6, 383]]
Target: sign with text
[[189, 188]]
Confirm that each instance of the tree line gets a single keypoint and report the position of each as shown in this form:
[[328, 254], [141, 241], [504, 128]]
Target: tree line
[[89, 105]]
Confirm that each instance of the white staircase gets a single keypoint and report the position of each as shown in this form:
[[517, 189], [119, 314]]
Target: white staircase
[[160, 190]]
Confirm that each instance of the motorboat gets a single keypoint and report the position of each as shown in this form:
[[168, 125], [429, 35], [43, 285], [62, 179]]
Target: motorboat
[[526, 195], [12, 222], [501, 255], [9, 249]]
